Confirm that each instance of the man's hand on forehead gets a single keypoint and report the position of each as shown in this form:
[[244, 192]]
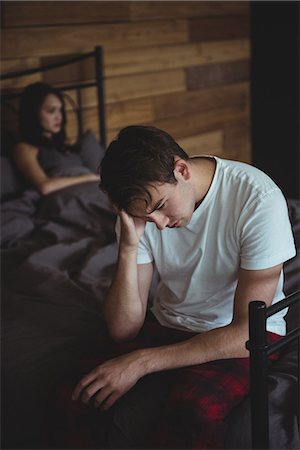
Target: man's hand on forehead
[[132, 229]]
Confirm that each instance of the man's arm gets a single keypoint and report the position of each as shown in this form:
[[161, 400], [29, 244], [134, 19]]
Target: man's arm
[[125, 305], [228, 341], [111, 380]]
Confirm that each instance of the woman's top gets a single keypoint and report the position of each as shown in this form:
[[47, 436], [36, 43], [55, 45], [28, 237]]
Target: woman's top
[[56, 163]]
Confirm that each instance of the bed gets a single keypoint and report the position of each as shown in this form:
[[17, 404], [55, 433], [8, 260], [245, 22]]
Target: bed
[[58, 257]]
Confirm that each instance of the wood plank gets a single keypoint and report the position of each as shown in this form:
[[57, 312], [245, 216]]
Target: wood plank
[[129, 112], [217, 28], [14, 65], [37, 13], [195, 102], [56, 40], [203, 144], [195, 124], [89, 121], [79, 71], [144, 85], [213, 143], [174, 56], [160, 106], [118, 115], [138, 60], [217, 74], [147, 10], [119, 89], [71, 127], [237, 139], [189, 125], [88, 98]]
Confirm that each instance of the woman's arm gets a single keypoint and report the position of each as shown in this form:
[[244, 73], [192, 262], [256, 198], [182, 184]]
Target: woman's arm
[[25, 156]]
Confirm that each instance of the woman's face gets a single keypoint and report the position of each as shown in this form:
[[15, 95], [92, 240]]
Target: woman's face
[[50, 115]]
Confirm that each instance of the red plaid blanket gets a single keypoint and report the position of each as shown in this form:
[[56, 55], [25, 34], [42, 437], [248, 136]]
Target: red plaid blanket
[[200, 398]]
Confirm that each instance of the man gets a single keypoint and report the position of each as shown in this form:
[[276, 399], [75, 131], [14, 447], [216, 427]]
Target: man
[[218, 233]]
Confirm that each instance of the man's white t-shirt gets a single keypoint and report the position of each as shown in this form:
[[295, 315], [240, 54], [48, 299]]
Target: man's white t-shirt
[[242, 222]]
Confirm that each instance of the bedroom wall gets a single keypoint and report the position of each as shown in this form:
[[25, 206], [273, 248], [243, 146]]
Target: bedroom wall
[[275, 89], [182, 66]]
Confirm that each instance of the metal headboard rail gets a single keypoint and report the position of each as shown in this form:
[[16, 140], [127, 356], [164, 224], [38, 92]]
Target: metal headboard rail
[[21, 73], [259, 351], [99, 83]]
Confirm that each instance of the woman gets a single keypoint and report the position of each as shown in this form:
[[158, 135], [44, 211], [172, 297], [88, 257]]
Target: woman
[[42, 155]]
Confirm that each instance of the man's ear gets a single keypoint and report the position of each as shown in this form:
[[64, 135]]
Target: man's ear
[[181, 169]]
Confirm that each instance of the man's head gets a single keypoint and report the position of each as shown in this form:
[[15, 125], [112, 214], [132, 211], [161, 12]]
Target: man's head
[[137, 159]]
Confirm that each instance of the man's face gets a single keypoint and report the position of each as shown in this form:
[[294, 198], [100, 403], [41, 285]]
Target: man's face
[[172, 205]]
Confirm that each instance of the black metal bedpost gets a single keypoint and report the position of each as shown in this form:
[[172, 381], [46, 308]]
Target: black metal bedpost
[[100, 91], [79, 113], [298, 383], [258, 375]]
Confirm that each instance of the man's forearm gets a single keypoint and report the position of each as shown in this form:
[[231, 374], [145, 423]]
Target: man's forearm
[[123, 307], [220, 343], [109, 385]]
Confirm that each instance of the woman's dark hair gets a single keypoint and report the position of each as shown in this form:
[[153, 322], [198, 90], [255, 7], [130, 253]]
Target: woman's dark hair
[[29, 126], [137, 158]]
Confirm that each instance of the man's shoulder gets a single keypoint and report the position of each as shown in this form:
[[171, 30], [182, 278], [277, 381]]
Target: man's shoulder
[[238, 172]]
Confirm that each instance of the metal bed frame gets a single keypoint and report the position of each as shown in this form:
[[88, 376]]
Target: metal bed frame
[[259, 352], [98, 82]]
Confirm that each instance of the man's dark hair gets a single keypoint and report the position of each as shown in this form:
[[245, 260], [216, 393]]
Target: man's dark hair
[[137, 158]]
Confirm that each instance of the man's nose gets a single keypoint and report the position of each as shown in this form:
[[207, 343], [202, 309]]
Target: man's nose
[[160, 220]]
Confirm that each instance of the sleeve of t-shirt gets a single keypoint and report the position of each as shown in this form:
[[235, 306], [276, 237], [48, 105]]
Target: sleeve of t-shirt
[[266, 233], [144, 255]]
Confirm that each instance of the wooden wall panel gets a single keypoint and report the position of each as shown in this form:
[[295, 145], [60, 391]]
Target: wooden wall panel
[[176, 56], [180, 65], [118, 89], [37, 13], [144, 10], [143, 85], [14, 65], [190, 125], [219, 28], [157, 58], [217, 74], [205, 143], [121, 114], [193, 102], [46, 41], [237, 141]]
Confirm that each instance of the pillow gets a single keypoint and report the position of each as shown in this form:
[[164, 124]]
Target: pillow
[[90, 150], [11, 181]]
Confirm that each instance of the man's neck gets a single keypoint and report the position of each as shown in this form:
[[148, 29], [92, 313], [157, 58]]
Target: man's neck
[[203, 170]]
